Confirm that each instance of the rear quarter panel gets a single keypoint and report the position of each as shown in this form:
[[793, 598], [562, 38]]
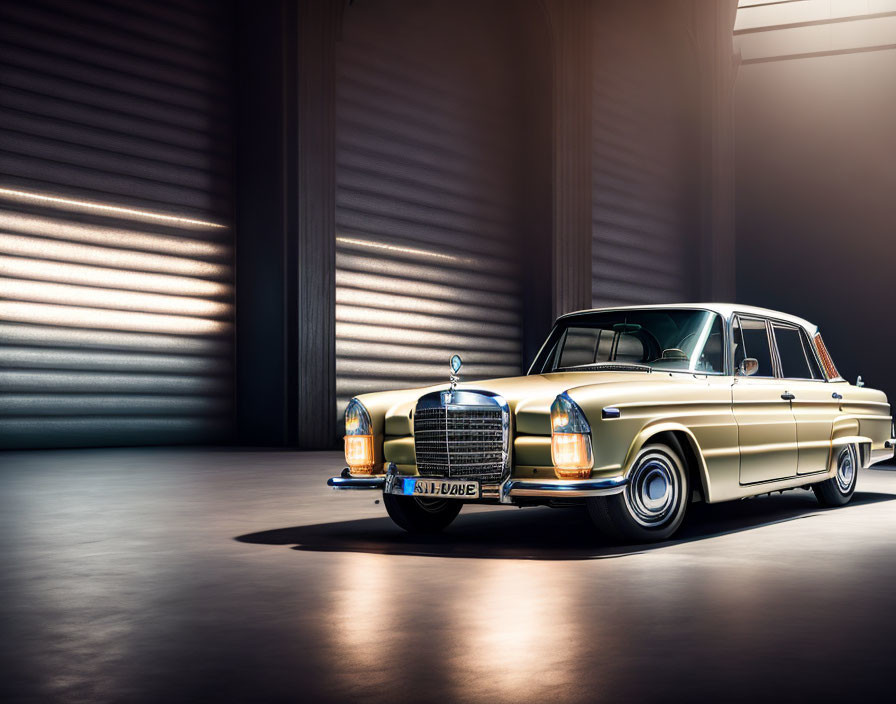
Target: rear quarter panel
[[864, 418]]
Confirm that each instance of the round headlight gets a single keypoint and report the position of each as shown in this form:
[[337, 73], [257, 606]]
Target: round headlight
[[359, 453], [570, 440], [357, 419]]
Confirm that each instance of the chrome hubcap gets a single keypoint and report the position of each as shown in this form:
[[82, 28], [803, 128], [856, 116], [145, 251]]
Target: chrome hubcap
[[846, 470], [653, 490]]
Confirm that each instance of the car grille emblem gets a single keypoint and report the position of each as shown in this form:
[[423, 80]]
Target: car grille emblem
[[456, 362]]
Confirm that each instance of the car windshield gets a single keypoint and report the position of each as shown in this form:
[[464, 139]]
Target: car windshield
[[639, 340]]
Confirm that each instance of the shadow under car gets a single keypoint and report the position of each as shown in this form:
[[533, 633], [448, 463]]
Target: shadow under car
[[543, 533]]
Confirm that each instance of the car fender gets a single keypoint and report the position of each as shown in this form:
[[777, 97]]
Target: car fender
[[651, 431], [846, 432]]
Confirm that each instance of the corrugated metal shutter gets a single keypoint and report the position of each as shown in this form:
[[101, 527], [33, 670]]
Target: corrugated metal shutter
[[115, 240], [644, 221], [427, 197]]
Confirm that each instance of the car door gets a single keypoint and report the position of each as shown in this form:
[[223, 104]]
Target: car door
[[765, 423], [814, 404]]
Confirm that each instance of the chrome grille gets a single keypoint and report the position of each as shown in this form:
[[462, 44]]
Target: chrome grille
[[460, 440]]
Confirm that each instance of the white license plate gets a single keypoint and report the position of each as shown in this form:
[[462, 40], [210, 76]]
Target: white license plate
[[438, 488]]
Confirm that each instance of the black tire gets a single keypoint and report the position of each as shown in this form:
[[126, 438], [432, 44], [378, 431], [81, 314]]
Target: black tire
[[421, 515], [640, 513], [838, 490]]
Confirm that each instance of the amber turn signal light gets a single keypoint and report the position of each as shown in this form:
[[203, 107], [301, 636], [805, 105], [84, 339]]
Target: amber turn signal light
[[359, 453], [571, 453]]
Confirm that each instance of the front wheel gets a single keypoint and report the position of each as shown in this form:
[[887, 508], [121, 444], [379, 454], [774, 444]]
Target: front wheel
[[653, 503], [839, 489], [421, 515]]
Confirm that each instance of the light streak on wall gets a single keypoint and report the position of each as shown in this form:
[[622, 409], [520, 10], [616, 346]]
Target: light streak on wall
[[105, 209], [26, 268], [110, 236], [348, 242], [22, 245], [63, 294]]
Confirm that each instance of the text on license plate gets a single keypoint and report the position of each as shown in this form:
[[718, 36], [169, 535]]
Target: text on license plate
[[443, 488]]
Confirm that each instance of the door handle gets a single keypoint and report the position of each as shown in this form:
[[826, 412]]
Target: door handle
[[837, 396], [788, 397]]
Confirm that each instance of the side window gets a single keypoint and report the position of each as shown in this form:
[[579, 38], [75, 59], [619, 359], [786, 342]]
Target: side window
[[810, 356], [737, 344], [710, 359], [797, 361], [751, 340]]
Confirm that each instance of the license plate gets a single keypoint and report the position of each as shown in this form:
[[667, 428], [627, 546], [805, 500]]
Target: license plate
[[437, 488]]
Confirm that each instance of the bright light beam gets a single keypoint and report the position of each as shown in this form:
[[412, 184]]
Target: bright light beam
[[110, 210]]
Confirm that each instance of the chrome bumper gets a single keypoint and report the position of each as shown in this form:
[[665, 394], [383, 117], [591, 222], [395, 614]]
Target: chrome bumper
[[885, 454], [346, 481], [565, 488], [510, 489]]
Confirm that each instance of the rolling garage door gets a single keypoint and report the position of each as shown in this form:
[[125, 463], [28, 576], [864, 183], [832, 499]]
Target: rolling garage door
[[427, 260], [644, 217], [115, 241]]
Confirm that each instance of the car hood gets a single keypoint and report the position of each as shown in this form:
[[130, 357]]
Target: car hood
[[529, 397]]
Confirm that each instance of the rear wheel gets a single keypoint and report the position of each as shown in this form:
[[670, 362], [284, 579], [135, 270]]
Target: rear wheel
[[653, 503], [421, 515], [838, 490]]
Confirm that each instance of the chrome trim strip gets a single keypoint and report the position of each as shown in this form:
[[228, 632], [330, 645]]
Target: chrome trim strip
[[567, 488], [356, 482]]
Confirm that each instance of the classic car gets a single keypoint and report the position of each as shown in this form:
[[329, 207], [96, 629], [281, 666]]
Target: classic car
[[634, 412]]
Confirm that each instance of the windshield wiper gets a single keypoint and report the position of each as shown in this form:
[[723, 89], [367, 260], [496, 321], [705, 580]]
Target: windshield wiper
[[608, 366]]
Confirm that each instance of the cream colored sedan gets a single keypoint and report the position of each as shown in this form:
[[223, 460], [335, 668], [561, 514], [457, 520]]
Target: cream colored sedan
[[635, 412]]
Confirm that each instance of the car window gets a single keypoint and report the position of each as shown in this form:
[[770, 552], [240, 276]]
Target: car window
[[810, 355], [751, 340], [737, 345], [580, 346], [629, 349], [675, 340], [792, 351]]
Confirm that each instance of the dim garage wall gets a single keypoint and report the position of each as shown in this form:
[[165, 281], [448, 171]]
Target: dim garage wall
[[116, 294], [220, 217]]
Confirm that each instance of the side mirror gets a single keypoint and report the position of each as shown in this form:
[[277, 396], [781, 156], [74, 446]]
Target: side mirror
[[859, 381], [748, 366]]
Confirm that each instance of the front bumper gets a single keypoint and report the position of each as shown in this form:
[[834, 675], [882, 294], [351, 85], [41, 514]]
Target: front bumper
[[566, 488], [509, 490], [350, 482]]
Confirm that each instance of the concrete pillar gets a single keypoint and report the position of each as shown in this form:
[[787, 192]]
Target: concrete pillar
[[285, 372], [714, 40], [570, 22]]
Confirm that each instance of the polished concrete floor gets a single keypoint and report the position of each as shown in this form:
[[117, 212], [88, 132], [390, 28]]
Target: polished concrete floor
[[198, 575]]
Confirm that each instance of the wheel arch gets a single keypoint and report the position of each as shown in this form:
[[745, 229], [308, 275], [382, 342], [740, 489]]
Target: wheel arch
[[846, 431], [682, 440]]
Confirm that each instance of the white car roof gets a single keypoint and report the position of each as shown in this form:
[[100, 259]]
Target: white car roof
[[726, 310]]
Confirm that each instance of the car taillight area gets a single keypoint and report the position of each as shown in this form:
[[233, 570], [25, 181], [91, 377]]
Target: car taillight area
[[829, 369]]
